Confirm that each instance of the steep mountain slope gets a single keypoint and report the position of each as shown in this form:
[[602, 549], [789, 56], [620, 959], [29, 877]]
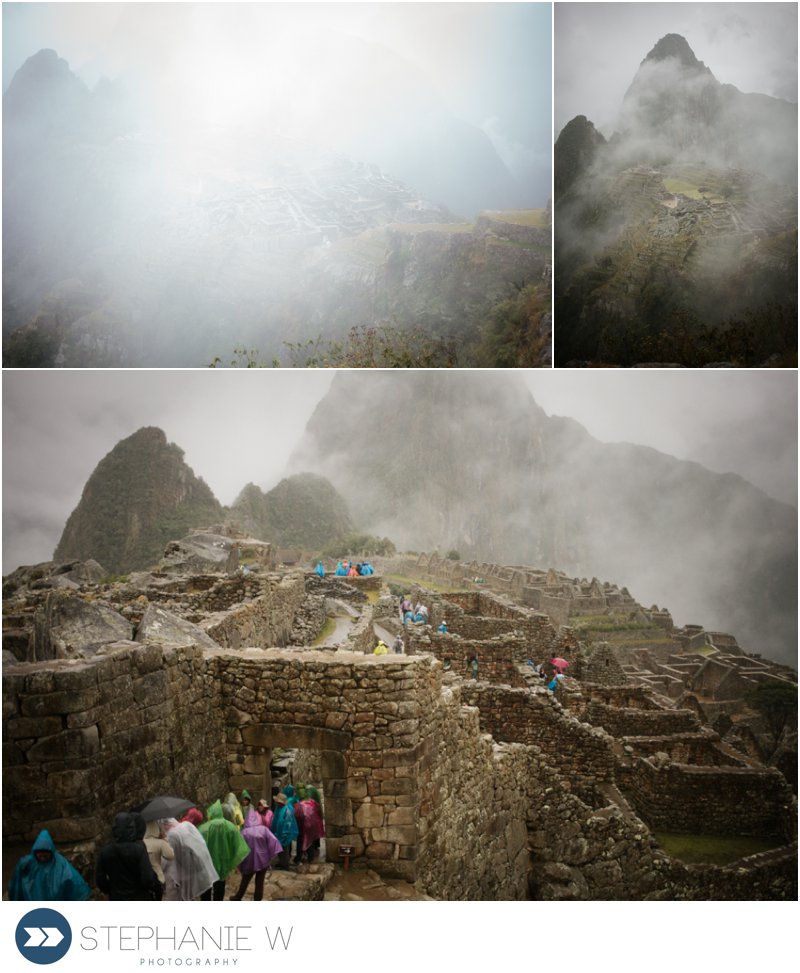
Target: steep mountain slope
[[676, 241], [303, 510], [139, 497], [471, 462]]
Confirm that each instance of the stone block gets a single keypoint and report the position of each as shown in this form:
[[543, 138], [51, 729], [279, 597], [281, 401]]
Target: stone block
[[381, 850], [60, 702], [339, 811], [401, 785], [402, 815], [83, 742], [369, 816], [31, 727], [397, 834]]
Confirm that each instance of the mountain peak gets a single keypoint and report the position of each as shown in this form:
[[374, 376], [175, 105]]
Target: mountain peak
[[674, 45]]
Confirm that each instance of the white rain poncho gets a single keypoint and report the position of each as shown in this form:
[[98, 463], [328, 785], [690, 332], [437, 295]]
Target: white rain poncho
[[191, 872]]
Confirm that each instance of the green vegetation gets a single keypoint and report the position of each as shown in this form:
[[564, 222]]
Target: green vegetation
[[401, 584], [710, 849], [358, 545], [140, 497], [453, 555], [516, 335], [692, 190], [381, 346], [326, 631], [522, 217], [304, 511]]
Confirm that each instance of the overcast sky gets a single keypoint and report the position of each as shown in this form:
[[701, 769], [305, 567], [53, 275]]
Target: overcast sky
[[489, 63], [599, 47], [241, 426]]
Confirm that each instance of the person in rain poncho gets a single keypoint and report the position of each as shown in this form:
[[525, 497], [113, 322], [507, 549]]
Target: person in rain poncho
[[157, 848], [381, 648], [320, 569], [264, 846], [226, 846], [398, 644], [442, 629], [313, 824], [264, 812], [123, 867], [191, 871], [194, 816], [341, 570], [284, 827], [46, 875], [246, 802], [237, 814]]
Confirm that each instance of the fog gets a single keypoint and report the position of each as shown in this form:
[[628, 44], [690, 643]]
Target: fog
[[184, 179], [675, 236], [499, 472], [599, 47]]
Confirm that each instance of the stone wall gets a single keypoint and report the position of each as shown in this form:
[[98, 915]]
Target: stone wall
[[85, 740], [581, 753], [711, 800], [496, 658], [264, 621], [699, 749], [621, 722]]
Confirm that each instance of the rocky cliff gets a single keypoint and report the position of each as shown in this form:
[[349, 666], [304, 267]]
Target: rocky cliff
[[676, 241], [139, 497], [301, 511], [471, 462]]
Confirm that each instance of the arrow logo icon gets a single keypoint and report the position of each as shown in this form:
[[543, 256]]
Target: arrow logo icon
[[42, 936]]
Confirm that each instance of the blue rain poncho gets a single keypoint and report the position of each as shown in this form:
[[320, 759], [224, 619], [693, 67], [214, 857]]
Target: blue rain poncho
[[52, 881], [320, 570], [284, 825]]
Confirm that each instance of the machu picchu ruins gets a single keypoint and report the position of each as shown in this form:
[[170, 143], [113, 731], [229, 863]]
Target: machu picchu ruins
[[221, 668]]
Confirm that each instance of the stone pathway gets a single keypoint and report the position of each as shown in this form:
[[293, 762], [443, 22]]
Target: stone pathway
[[328, 882]]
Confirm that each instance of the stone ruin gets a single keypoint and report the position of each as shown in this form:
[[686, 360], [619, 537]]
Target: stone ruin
[[191, 681]]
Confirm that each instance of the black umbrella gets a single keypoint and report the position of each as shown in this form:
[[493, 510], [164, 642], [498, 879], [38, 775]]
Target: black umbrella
[[165, 807]]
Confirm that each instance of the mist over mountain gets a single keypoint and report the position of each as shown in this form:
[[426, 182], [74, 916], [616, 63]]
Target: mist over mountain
[[166, 217], [676, 240], [302, 510], [472, 463]]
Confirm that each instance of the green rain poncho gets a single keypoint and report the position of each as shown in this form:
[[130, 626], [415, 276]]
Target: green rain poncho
[[225, 845]]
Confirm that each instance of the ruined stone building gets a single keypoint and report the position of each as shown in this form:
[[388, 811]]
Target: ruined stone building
[[188, 679]]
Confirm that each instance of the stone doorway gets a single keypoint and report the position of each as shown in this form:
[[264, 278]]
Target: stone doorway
[[322, 762]]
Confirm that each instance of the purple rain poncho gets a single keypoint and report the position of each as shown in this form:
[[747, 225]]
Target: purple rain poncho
[[263, 844]]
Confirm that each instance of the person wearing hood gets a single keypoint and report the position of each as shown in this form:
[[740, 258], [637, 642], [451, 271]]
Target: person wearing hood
[[226, 846], [45, 875], [264, 811], [245, 802], [190, 872], [123, 866], [236, 815], [313, 825], [194, 816], [320, 569], [158, 848], [341, 570], [264, 846], [284, 827]]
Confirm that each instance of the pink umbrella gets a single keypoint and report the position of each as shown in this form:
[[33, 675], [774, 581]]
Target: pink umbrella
[[559, 663]]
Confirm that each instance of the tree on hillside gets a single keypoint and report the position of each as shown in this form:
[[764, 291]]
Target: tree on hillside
[[777, 703]]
